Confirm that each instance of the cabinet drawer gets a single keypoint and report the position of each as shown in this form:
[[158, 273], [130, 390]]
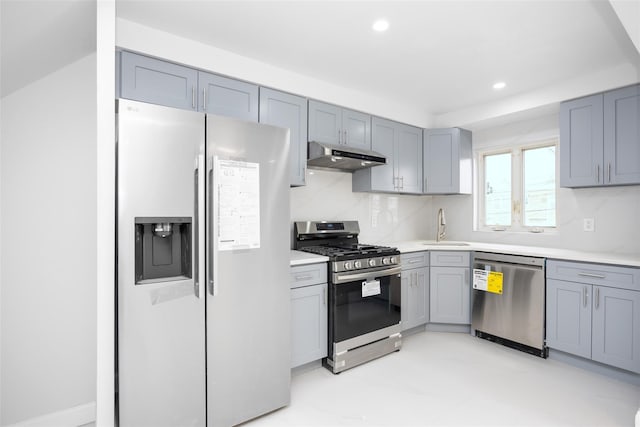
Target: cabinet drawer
[[450, 259], [414, 260], [595, 274], [311, 274]]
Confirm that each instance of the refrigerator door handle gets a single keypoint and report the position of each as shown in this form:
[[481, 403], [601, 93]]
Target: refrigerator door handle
[[199, 235], [212, 223]]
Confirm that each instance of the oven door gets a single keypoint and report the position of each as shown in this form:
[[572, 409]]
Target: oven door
[[363, 302]]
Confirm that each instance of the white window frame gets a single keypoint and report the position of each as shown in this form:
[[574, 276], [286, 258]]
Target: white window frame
[[517, 187]]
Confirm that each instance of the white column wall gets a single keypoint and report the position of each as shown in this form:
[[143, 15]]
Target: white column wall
[[48, 245]]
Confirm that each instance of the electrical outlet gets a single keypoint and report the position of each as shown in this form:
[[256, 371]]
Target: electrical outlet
[[588, 224]]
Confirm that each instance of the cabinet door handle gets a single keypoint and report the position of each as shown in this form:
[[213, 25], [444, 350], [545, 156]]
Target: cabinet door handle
[[193, 97], [466, 276], [307, 277], [596, 276], [584, 296], [609, 172], [325, 294], [204, 99], [413, 261], [598, 173], [597, 297]]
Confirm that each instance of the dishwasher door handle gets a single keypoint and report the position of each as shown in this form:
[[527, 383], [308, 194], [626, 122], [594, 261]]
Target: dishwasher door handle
[[479, 264]]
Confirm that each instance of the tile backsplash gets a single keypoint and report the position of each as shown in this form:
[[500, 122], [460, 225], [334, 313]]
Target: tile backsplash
[[388, 218], [383, 218]]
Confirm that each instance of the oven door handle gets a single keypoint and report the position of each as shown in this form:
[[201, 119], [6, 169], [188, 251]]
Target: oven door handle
[[344, 278]]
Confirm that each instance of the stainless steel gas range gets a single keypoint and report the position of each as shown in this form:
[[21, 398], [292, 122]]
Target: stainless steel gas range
[[364, 292]]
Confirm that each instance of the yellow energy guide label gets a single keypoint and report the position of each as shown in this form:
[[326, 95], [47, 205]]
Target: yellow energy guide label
[[489, 281]]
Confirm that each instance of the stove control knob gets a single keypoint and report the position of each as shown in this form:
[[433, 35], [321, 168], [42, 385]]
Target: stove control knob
[[347, 265], [393, 260], [372, 262], [358, 264], [386, 261]]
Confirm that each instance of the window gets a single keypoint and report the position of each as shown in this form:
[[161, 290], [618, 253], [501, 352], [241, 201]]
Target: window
[[518, 188]]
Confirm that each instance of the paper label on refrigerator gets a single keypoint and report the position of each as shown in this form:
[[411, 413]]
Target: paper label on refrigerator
[[370, 288], [238, 186], [489, 281]]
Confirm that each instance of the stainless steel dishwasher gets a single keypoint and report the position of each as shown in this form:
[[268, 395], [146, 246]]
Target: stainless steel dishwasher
[[516, 317]]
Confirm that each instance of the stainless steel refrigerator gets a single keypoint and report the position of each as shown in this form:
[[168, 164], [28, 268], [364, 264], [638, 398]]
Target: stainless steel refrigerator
[[203, 334]]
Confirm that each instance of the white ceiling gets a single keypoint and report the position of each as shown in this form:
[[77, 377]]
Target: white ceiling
[[439, 56]]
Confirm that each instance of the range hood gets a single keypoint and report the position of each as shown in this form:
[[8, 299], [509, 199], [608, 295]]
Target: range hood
[[341, 157]]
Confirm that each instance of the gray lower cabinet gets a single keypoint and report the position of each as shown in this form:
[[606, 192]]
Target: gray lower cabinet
[[593, 311], [155, 81], [308, 313], [450, 287], [599, 137], [569, 317], [288, 111], [447, 161], [615, 336], [336, 125], [402, 146], [415, 289]]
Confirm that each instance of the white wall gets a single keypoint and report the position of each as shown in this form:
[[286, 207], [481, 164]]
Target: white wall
[[48, 248], [616, 209], [383, 218]]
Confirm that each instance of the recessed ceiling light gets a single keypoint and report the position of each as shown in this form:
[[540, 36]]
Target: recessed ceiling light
[[381, 25], [499, 85]]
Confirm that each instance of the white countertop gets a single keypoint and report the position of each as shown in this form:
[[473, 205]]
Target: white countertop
[[302, 258], [563, 254]]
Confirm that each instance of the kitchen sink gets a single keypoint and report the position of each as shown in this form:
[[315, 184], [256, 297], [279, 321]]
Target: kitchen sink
[[445, 244]]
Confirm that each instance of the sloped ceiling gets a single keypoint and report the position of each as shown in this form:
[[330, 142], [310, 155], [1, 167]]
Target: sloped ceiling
[[39, 37]]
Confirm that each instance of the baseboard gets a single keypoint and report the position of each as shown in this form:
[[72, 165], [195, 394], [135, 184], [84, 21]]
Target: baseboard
[[598, 368], [448, 327], [72, 417]]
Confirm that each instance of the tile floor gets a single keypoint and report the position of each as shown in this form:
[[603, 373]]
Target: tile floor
[[456, 379]]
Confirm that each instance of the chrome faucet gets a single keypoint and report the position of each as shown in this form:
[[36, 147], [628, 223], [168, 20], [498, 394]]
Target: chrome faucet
[[441, 230]]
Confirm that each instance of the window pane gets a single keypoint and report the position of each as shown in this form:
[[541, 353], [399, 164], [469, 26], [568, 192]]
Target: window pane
[[540, 187], [497, 189]]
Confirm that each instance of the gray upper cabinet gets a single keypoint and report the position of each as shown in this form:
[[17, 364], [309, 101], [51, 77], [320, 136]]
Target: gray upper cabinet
[[157, 82], [402, 146], [288, 111], [622, 135], [160, 82], [447, 161], [581, 142], [600, 139], [356, 127], [335, 125], [227, 97]]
